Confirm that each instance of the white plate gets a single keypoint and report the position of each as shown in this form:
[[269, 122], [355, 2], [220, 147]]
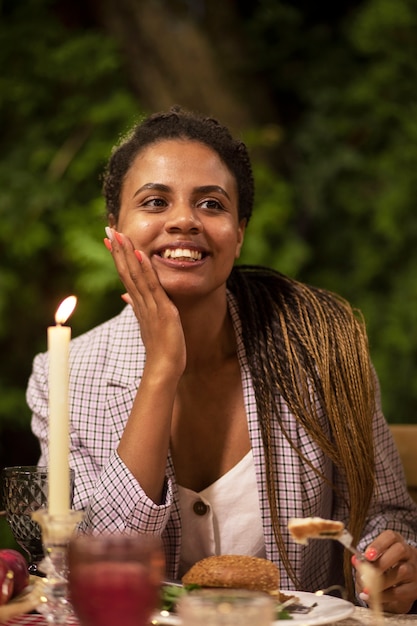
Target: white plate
[[329, 609]]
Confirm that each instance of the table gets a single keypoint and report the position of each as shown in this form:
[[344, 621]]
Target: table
[[364, 617], [360, 617], [34, 619]]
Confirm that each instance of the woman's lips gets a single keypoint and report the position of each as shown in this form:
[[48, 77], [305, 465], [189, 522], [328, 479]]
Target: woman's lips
[[182, 254]]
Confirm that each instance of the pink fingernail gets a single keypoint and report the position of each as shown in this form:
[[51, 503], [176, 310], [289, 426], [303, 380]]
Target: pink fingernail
[[371, 554], [138, 256], [107, 243], [118, 237], [109, 233]]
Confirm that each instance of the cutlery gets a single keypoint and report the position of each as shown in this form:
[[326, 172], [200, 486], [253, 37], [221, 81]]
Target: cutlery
[[345, 538]]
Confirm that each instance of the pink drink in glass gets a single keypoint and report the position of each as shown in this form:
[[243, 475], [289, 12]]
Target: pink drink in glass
[[115, 579]]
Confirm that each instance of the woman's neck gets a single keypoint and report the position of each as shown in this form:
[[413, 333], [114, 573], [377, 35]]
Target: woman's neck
[[209, 333]]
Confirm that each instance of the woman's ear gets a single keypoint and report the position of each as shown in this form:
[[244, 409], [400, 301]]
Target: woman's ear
[[240, 237]]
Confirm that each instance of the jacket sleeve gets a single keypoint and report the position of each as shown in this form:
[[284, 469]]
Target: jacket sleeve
[[104, 487], [119, 503], [392, 507]]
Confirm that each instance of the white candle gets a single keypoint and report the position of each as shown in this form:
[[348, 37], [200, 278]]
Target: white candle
[[58, 348]]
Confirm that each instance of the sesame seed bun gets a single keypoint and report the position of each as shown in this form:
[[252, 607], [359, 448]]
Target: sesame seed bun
[[234, 572]]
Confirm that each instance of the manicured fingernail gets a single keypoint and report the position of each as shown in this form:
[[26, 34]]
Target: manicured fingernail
[[364, 596], [109, 233], [107, 243], [371, 554], [138, 256], [118, 237], [125, 297]]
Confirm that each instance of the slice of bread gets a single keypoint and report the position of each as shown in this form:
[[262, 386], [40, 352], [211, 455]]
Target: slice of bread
[[304, 528]]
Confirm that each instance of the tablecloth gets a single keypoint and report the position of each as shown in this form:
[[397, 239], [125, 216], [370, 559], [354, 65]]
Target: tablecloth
[[360, 617], [35, 619]]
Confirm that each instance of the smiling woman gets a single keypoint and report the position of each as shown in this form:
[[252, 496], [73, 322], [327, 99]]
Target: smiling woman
[[165, 211], [225, 400]]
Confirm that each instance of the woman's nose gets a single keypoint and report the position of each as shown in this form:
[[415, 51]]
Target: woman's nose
[[183, 218]]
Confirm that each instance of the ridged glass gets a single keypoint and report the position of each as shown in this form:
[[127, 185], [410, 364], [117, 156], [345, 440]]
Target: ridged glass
[[25, 490]]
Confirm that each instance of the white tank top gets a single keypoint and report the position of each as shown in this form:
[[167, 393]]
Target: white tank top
[[224, 518]]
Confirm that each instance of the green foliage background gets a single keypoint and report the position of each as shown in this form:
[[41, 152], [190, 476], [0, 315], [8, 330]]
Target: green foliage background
[[335, 195], [351, 155]]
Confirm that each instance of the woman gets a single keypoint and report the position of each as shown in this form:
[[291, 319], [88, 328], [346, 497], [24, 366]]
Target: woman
[[223, 401]]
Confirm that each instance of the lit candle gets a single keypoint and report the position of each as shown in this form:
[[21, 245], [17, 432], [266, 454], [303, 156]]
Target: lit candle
[[58, 348]]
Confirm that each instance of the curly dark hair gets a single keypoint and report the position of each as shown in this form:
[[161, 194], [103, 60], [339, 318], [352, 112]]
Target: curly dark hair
[[178, 123]]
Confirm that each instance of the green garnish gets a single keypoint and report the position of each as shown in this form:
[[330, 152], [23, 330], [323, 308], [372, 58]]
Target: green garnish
[[283, 614], [170, 594]]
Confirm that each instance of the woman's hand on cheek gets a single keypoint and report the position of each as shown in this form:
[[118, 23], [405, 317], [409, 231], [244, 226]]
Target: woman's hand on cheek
[[158, 317], [396, 561]]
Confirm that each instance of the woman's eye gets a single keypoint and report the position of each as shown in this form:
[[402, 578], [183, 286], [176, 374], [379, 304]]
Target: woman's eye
[[154, 202], [214, 205]]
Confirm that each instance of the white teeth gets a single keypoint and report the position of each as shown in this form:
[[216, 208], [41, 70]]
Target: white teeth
[[181, 253]]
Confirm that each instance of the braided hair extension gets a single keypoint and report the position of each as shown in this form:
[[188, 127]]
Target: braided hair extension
[[309, 345]]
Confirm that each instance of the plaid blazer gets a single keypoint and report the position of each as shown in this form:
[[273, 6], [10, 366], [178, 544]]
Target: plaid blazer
[[106, 365]]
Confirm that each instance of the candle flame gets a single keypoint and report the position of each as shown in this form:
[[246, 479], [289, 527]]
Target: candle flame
[[65, 309]]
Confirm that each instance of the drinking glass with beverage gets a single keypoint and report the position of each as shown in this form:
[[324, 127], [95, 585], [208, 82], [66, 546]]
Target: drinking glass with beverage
[[226, 607], [115, 578]]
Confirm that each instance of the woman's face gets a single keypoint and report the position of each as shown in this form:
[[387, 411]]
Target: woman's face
[[179, 205]]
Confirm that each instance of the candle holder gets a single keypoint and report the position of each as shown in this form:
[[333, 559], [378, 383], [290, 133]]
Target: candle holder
[[56, 533]]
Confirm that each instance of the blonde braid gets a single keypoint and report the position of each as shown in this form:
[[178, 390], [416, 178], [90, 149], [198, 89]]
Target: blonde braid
[[310, 345]]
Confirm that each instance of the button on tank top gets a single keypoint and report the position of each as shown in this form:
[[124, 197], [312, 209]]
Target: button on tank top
[[224, 518]]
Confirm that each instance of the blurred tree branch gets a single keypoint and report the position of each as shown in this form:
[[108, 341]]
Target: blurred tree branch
[[195, 58]]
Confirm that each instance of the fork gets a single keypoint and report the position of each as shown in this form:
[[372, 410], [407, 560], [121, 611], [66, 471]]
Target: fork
[[345, 538]]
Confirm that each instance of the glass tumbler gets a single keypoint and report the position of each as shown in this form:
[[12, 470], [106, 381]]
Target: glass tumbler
[[115, 578], [25, 490], [226, 607]]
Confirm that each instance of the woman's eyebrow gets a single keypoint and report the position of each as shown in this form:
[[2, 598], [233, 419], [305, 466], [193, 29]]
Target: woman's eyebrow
[[211, 188], [166, 188], [152, 186]]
